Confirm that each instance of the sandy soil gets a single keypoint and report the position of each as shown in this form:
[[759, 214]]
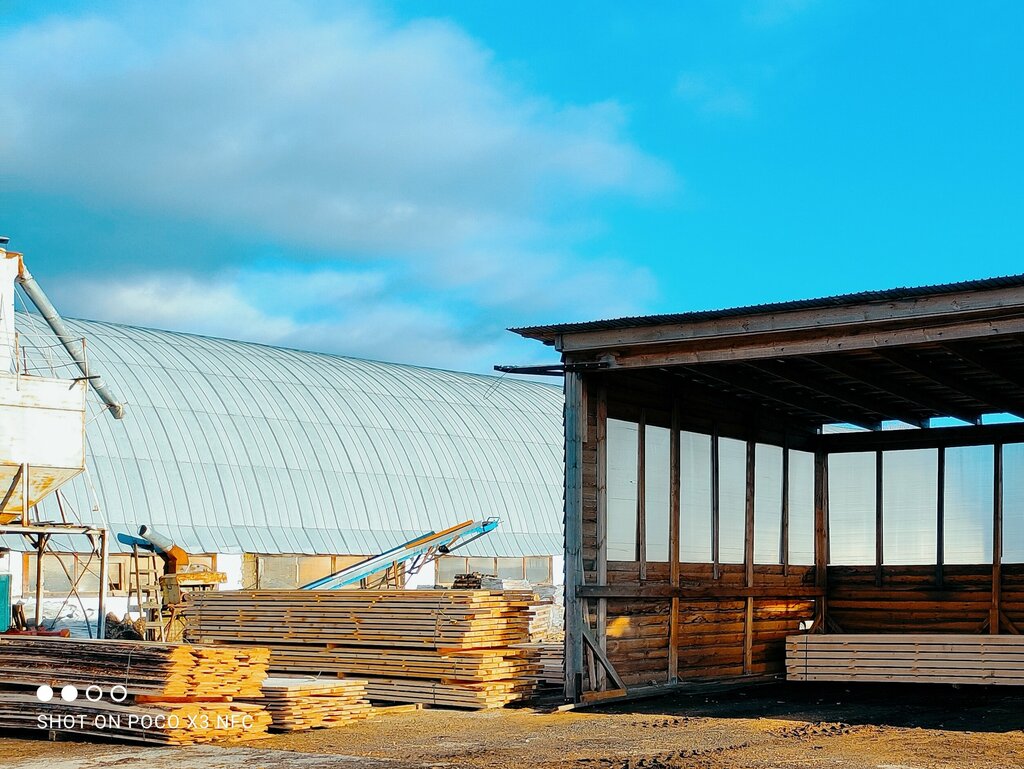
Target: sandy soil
[[788, 726]]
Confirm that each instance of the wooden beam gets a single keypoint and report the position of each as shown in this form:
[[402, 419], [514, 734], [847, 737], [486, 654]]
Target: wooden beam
[[655, 592], [933, 437], [574, 420], [879, 517], [748, 557], [867, 316], [739, 380], [746, 347], [940, 519], [601, 436], [836, 391], [716, 507], [821, 537], [674, 506], [997, 539], [641, 495], [599, 653], [988, 362], [912, 395], [784, 528], [955, 382]]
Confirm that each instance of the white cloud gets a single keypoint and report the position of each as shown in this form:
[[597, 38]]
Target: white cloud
[[322, 310], [346, 133], [422, 197]]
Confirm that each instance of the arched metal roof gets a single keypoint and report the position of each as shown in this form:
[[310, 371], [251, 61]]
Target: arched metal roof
[[236, 447]]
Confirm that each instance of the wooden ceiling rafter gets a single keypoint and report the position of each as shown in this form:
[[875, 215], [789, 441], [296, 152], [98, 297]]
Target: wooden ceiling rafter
[[935, 372], [765, 391], [839, 391], [918, 397]]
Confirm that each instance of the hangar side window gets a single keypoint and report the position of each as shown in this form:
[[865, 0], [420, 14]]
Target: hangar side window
[[535, 568]]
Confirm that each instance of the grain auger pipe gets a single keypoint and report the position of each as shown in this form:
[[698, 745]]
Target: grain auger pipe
[[71, 343]]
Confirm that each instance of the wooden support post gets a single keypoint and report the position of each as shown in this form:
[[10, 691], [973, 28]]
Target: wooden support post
[[601, 434], [940, 519], [748, 558], [784, 529], [821, 537], [716, 511], [641, 495], [879, 515], [574, 419], [673, 541], [994, 620]]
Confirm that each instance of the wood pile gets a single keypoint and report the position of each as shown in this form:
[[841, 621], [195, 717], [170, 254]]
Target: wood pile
[[913, 658], [133, 690], [548, 659], [297, 704], [142, 667], [467, 581], [441, 647]]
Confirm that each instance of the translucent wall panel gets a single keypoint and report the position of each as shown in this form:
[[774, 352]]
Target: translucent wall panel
[[1013, 503], [909, 499], [656, 475], [767, 504], [968, 504], [622, 446], [851, 508], [732, 491], [695, 498], [801, 508]]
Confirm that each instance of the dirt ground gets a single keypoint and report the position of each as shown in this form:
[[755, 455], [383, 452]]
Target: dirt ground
[[786, 726]]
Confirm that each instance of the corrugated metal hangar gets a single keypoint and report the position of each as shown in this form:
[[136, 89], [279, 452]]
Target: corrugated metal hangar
[[301, 461]]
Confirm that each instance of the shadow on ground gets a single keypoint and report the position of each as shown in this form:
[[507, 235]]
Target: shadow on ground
[[965, 709]]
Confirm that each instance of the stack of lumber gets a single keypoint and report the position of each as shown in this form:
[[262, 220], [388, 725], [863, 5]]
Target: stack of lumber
[[299, 703], [548, 661], [450, 647], [467, 581], [490, 582], [142, 667], [166, 693], [914, 658]]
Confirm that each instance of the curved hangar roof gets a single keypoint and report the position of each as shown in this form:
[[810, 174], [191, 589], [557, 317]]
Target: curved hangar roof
[[235, 447]]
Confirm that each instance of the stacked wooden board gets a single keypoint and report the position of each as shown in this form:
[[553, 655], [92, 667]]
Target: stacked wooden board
[[549, 661], [912, 658], [133, 690], [142, 667], [443, 647], [300, 703]]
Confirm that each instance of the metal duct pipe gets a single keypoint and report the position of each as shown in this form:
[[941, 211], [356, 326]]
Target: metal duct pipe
[[176, 557], [53, 319]]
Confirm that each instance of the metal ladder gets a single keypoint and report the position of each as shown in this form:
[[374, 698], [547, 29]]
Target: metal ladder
[[144, 584]]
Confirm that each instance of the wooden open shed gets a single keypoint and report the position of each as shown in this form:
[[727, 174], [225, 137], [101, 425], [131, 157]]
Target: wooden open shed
[[739, 476]]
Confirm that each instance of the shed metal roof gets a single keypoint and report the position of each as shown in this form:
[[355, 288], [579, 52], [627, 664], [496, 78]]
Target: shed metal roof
[[547, 333], [237, 447]]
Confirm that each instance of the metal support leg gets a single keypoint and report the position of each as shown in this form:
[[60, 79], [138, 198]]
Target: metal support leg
[[101, 608]]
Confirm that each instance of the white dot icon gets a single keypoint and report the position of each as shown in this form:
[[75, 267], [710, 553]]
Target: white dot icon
[[69, 693], [44, 693]]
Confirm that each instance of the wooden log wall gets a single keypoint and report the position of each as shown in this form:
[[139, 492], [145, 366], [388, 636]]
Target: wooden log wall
[[910, 600], [711, 633]]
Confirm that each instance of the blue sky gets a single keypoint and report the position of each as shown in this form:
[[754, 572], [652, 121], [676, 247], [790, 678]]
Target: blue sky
[[404, 180]]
